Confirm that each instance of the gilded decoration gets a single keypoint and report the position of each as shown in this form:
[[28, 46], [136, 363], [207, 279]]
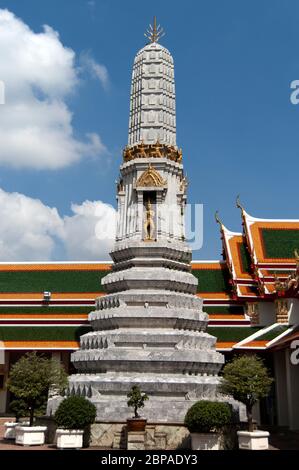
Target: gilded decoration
[[150, 178], [281, 311], [253, 313], [156, 150], [292, 281], [149, 225]]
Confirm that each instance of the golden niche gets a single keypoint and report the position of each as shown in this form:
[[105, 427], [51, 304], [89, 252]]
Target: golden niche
[[150, 178]]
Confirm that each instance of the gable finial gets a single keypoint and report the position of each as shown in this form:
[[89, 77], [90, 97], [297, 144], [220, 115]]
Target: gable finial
[[218, 219], [238, 203], [154, 32]]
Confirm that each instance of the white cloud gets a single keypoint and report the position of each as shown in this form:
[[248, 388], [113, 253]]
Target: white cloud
[[96, 70], [28, 228], [39, 73], [32, 231], [89, 233]]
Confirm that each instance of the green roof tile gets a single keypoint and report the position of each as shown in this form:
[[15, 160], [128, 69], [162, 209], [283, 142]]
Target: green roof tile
[[278, 330], [222, 310], [232, 333], [53, 281], [245, 258], [45, 310], [280, 243], [42, 333], [212, 280]]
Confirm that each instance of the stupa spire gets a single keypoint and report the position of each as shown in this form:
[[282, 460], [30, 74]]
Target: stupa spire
[[152, 102]]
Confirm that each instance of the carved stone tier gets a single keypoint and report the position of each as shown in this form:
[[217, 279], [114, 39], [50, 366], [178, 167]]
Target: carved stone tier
[[170, 394]]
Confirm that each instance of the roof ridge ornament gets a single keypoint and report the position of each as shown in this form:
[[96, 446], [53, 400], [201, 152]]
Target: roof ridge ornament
[[217, 218], [154, 32], [238, 203]]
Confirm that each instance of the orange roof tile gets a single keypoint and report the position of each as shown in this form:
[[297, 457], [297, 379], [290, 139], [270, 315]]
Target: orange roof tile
[[246, 291], [55, 267], [41, 344], [225, 317], [254, 227], [49, 316], [208, 265], [214, 295], [255, 344], [225, 345], [54, 296], [235, 245]]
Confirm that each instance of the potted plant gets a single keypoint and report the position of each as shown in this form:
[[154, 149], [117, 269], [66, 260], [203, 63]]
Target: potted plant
[[247, 380], [136, 401], [73, 415], [30, 380], [205, 420]]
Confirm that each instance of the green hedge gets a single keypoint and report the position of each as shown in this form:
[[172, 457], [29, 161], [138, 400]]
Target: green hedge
[[53, 281]]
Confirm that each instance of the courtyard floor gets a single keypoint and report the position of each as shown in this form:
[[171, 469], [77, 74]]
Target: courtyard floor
[[280, 439]]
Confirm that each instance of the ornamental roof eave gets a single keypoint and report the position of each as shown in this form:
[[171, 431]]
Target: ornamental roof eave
[[254, 229]]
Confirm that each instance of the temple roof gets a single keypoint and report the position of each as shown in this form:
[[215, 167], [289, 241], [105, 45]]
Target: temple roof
[[272, 242], [258, 265]]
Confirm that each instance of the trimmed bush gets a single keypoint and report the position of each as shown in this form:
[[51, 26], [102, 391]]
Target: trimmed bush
[[208, 416], [75, 413]]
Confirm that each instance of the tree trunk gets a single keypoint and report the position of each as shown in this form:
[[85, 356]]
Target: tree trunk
[[31, 416], [249, 417]]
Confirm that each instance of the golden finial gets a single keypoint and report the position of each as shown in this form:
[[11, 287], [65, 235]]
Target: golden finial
[[154, 33]]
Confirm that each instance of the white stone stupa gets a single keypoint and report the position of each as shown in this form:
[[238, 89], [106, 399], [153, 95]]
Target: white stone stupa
[[149, 329]]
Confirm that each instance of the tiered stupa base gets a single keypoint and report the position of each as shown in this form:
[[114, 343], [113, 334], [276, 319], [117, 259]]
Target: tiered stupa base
[[149, 330]]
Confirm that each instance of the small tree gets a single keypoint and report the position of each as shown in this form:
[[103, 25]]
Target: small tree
[[208, 416], [75, 413], [31, 378], [136, 399], [247, 380]]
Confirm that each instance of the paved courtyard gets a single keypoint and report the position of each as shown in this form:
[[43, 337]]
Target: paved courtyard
[[280, 439]]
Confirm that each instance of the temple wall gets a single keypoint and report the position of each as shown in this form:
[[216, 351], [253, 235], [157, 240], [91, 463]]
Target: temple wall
[[266, 313], [280, 385], [294, 311]]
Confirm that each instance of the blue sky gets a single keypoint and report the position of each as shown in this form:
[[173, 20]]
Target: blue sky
[[234, 62]]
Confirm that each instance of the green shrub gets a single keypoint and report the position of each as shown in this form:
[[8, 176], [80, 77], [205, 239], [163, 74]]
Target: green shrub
[[208, 416], [75, 413]]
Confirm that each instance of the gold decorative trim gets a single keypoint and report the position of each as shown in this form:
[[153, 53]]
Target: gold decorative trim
[[281, 310], [150, 177], [251, 309], [156, 150]]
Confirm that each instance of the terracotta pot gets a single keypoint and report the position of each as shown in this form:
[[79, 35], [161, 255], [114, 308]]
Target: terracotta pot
[[136, 424]]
